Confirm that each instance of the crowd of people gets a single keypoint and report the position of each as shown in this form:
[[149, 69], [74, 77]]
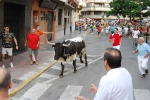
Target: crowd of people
[[117, 83]]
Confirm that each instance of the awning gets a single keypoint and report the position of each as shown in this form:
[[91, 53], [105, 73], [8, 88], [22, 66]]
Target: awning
[[144, 11]]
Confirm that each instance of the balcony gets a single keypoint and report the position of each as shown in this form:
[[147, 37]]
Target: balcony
[[95, 9], [99, 1]]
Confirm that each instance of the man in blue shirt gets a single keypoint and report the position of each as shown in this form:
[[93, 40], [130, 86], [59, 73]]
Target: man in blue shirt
[[143, 50]]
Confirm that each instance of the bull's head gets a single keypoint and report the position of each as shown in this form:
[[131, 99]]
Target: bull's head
[[59, 49]]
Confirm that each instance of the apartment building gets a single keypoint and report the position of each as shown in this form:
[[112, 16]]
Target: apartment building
[[96, 9]]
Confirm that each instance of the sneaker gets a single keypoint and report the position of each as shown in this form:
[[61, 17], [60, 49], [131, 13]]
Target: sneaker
[[31, 62], [36, 63], [11, 65], [142, 76], [3, 66]]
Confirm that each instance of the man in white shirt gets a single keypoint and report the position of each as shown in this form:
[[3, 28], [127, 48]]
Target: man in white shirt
[[117, 83], [135, 34]]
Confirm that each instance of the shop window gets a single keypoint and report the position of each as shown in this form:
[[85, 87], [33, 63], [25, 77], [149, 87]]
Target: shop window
[[59, 16]]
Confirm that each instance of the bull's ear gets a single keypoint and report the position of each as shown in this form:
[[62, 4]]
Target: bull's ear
[[53, 46]]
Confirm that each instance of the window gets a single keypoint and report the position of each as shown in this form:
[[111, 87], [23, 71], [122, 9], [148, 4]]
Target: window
[[97, 12], [59, 16]]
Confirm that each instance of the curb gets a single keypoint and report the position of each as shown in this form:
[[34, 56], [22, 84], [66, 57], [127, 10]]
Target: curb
[[15, 90]]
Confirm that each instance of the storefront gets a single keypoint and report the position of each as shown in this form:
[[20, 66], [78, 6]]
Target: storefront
[[43, 14]]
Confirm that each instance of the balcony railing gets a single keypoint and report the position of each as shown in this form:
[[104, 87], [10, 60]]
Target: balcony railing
[[96, 9], [97, 1]]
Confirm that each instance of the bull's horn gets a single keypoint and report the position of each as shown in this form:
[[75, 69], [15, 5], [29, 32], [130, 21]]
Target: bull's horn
[[66, 45], [51, 43]]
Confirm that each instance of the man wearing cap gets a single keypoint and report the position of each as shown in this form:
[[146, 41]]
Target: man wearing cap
[[143, 50]]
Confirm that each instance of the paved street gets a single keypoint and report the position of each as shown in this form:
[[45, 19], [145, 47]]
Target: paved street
[[48, 86]]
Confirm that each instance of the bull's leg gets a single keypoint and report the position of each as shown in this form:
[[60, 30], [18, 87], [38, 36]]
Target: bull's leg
[[74, 64], [86, 64], [80, 56], [62, 70]]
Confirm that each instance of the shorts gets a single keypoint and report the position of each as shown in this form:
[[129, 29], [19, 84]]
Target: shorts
[[7, 50], [98, 32], [35, 52], [106, 31], [117, 47]]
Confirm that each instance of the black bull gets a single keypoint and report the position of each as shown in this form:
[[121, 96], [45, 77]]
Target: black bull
[[67, 51]]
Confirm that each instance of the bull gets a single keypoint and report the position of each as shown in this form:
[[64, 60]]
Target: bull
[[68, 50]]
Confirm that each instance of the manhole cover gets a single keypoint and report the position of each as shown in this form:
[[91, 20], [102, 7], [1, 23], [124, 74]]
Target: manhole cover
[[16, 81]]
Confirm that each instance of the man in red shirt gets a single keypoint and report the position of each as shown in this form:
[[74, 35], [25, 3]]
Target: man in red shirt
[[116, 39], [99, 31], [33, 45]]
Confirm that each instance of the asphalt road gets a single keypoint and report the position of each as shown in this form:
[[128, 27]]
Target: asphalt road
[[49, 86]]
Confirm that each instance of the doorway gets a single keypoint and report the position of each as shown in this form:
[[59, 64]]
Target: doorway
[[65, 19], [50, 25], [15, 18]]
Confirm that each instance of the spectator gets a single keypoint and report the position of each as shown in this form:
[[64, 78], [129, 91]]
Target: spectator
[[39, 32], [143, 50], [7, 44], [33, 45], [5, 84], [116, 39], [117, 83]]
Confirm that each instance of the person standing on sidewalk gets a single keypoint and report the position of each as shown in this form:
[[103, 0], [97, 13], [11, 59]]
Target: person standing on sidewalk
[[116, 39], [39, 32], [7, 44], [33, 41], [135, 34], [143, 50], [5, 84], [117, 83]]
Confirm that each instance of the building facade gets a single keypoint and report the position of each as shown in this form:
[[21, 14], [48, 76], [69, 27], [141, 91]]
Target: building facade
[[43, 14], [96, 9], [65, 13]]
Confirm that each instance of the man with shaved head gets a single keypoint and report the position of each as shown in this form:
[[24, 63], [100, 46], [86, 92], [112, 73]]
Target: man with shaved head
[[5, 84], [117, 83]]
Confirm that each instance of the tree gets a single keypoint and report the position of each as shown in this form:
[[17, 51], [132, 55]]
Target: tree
[[130, 8]]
